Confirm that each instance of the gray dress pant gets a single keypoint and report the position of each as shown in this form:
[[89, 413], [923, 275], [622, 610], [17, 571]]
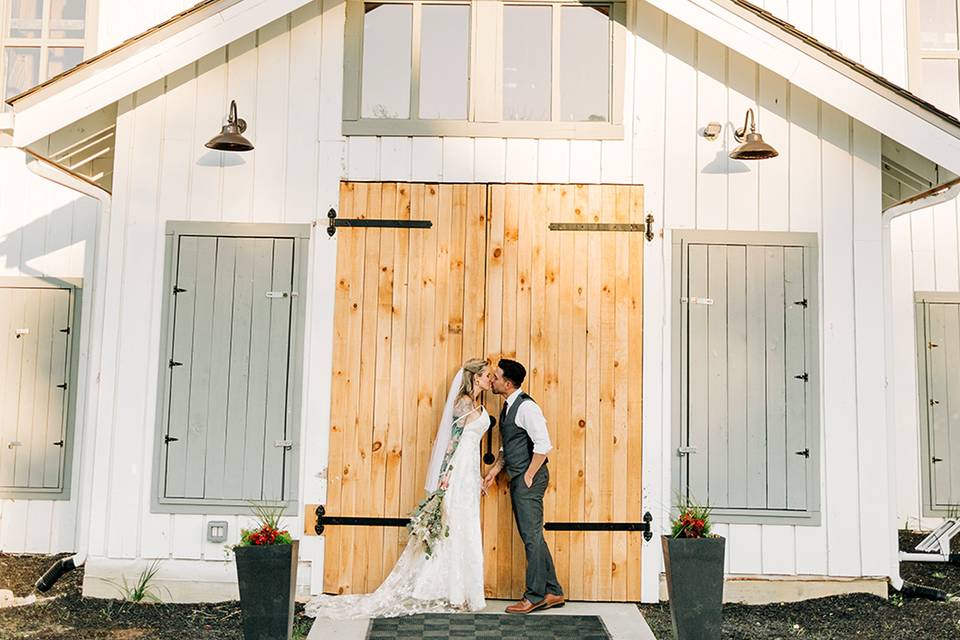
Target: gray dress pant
[[528, 514]]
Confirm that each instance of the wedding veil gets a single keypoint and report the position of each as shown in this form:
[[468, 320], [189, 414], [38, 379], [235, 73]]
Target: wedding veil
[[444, 431]]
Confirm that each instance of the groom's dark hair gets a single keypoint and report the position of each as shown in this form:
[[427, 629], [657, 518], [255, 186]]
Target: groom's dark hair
[[513, 371]]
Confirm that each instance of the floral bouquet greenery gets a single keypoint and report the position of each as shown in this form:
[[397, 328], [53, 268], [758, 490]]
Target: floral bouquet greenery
[[268, 529], [426, 521], [692, 522]]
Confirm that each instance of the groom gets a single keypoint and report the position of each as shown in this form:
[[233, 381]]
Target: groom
[[525, 445]]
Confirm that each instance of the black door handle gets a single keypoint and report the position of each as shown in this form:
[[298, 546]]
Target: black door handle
[[488, 457]]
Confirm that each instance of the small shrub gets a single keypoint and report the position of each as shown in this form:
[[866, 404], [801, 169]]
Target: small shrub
[[142, 590]]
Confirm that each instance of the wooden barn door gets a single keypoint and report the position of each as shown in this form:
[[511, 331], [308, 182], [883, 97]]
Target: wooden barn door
[[565, 296], [409, 309], [495, 275]]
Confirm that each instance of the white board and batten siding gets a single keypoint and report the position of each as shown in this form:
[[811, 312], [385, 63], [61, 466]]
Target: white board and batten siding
[[872, 32], [46, 231], [925, 257], [281, 81], [826, 181], [287, 80]]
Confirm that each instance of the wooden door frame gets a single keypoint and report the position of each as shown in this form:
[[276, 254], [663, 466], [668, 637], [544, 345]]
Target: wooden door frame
[[316, 518]]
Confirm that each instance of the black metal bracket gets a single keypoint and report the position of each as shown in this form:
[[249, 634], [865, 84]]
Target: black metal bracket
[[323, 520], [376, 223]]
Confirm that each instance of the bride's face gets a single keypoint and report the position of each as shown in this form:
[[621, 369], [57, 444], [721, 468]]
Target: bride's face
[[483, 380]]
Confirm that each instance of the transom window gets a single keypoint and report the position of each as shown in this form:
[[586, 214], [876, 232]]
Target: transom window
[[935, 52], [551, 69], [40, 39]]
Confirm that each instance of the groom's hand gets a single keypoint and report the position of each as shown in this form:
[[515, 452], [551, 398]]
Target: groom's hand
[[528, 479]]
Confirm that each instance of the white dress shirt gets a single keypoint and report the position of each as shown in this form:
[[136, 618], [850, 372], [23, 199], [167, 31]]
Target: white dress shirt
[[530, 419]]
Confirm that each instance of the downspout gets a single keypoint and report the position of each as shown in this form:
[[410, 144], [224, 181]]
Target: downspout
[[937, 195], [58, 174]]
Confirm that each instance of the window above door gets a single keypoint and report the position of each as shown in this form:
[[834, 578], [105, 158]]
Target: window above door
[[502, 69]]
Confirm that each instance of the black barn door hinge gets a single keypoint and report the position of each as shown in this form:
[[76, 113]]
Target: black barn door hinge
[[323, 520], [375, 223], [167, 439]]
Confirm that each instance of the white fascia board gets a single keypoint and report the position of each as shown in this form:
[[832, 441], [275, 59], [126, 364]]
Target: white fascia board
[[128, 74], [819, 79]]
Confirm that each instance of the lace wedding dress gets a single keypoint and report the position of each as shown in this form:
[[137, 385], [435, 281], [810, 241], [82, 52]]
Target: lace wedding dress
[[451, 579]]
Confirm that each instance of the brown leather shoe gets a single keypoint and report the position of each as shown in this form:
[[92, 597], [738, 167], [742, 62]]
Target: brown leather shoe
[[525, 606], [550, 601]]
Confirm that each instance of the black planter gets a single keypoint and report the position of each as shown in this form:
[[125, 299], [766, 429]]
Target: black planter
[[695, 585], [268, 583]]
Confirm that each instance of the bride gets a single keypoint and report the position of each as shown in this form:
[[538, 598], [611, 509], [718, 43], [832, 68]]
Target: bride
[[443, 571]]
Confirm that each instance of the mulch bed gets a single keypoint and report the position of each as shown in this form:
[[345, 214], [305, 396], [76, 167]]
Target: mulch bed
[[849, 616], [72, 617]]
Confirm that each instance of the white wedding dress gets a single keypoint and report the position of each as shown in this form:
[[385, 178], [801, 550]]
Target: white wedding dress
[[451, 579]]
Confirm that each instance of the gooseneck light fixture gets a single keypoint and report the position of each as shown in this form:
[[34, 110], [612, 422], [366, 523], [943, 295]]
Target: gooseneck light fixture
[[230, 138], [753, 147]]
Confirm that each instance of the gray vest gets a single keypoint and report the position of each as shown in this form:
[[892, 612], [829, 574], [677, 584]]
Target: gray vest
[[517, 445]]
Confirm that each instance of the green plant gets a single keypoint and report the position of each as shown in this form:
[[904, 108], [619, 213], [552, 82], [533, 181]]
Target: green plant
[[268, 529], [693, 520], [142, 590], [301, 629]]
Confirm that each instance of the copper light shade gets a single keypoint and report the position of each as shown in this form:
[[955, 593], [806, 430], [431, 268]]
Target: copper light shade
[[230, 138], [753, 147]]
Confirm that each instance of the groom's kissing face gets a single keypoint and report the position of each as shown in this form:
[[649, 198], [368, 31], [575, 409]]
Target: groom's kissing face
[[496, 380]]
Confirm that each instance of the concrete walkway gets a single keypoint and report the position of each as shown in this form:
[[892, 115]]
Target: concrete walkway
[[623, 621]]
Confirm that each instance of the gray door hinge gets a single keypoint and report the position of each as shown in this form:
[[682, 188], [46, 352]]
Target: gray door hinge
[[278, 294], [683, 451], [283, 444], [695, 300]]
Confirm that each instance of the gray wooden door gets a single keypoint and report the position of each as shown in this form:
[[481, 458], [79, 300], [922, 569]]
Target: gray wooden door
[[745, 315], [34, 372], [939, 353], [227, 430]]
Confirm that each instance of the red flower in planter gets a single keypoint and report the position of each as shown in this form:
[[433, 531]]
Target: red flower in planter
[[693, 521]]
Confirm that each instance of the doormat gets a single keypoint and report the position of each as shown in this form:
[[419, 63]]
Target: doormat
[[489, 627]]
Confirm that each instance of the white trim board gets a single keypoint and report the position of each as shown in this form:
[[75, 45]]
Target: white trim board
[[800, 65], [128, 69]]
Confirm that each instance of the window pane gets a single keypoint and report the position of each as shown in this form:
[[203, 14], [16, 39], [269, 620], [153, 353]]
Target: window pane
[[527, 37], [385, 88], [26, 18], [67, 18], [585, 64], [23, 69], [59, 59], [941, 84], [938, 24], [444, 61]]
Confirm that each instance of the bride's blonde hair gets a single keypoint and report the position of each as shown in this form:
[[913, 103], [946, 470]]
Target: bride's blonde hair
[[471, 369]]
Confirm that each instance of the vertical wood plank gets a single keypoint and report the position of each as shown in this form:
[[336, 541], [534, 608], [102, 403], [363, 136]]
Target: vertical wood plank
[[776, 381]]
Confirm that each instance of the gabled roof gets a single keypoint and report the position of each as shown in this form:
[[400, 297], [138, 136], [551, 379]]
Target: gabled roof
[[825, 73], [738, 24], [139, 61], [851, 64]]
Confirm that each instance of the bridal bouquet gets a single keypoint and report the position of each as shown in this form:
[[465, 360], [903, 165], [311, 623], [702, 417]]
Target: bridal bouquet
[[426, 521]]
